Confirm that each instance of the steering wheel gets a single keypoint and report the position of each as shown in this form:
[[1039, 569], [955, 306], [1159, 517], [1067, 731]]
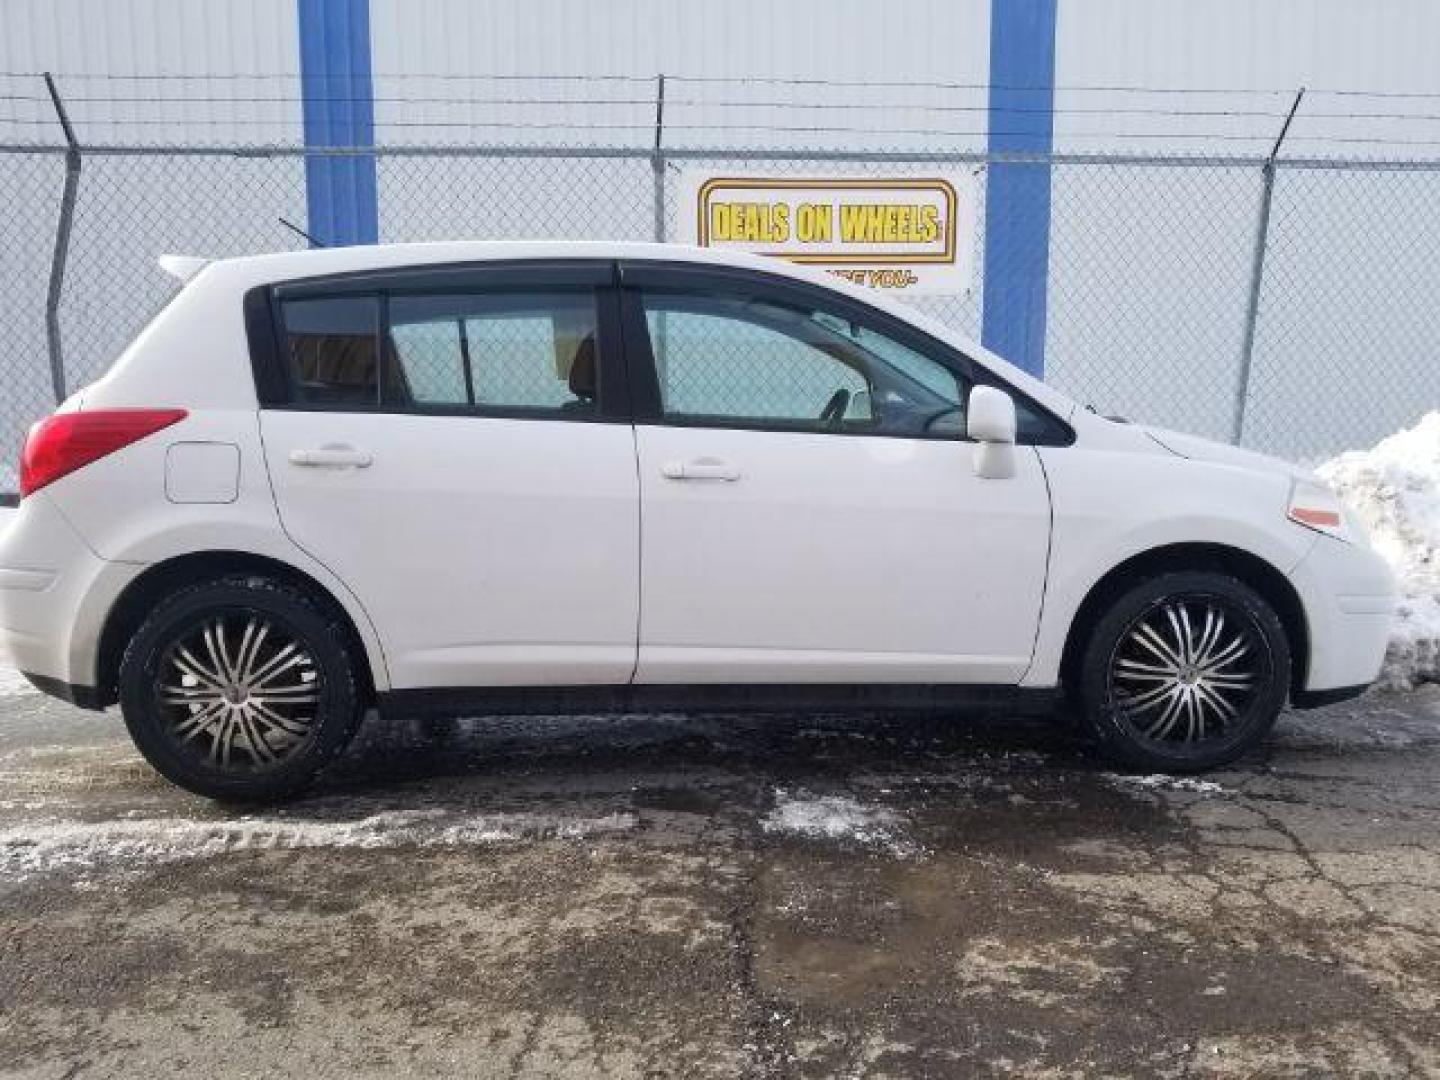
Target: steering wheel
[[930, 419], [834, 410]]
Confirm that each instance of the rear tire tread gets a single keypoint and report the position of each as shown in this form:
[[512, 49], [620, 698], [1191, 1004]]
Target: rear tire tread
[[331, 632]]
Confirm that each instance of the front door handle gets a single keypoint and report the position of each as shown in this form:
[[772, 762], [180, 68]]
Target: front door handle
[[704, 468], [332, 456]]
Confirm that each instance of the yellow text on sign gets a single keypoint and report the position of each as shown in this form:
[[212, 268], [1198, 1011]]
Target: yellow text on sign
[[814, 223]]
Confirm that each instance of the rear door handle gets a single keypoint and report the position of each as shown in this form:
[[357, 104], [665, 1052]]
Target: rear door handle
[[704, 468], [332, 456]]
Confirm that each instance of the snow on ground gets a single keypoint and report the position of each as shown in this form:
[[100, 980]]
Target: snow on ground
[[12, 683], [1395, 490], [836, 817], [1165, 782], [128, 843]]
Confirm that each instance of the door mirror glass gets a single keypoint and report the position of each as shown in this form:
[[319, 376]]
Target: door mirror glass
[[990, 422]]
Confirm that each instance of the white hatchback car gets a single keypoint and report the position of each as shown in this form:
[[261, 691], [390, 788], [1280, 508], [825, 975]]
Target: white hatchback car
[[483, 477]]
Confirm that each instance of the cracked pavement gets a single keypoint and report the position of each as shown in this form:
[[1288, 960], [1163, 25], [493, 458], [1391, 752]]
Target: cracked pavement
[[714, 897]]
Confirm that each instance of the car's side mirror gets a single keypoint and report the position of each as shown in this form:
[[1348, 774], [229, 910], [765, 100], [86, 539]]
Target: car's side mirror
[[990, 422]]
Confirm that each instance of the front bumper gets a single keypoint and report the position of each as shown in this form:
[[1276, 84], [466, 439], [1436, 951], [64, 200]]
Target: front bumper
[[1348, 593]]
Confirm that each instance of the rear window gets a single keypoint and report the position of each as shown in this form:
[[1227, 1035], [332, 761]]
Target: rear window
[[505, 352], [331, 347]]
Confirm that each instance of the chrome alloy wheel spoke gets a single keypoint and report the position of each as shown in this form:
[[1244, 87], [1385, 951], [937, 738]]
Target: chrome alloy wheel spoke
[[188, 665], [241, 689], [1146, 636], [1184, 672]]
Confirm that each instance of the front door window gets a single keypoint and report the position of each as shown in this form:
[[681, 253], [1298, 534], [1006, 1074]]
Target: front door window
[[739, 361]]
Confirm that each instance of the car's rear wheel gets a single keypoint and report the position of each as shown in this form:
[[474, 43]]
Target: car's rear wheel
[[1185, 671], [240, 688]]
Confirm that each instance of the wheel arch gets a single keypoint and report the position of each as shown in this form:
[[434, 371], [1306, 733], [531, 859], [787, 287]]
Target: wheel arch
[[141, 595], [1254, 571]]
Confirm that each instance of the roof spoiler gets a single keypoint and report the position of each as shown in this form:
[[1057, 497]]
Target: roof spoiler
[[183, 267]]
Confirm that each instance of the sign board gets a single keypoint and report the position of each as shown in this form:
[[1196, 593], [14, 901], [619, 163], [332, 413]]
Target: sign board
[[908, 234]]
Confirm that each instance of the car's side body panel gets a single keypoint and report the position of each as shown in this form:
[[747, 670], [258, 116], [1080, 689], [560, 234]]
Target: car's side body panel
[[837, 559], [488, 551]]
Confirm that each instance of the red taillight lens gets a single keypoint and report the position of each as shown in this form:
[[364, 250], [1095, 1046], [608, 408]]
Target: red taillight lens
[[62, 443]]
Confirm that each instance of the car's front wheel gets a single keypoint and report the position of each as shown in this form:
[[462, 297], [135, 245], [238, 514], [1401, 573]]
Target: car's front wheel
[[1185, 671], [240, 688]]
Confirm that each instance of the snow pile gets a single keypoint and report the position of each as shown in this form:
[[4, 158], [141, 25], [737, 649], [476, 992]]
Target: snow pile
[[836, 817], [1395, 491]]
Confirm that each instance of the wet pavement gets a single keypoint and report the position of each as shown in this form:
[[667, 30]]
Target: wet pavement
[[711, 896]]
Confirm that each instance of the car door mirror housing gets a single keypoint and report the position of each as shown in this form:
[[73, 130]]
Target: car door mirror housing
[[990, 422]]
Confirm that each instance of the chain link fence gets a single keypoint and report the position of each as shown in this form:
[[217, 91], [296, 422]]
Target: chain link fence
[[1152, 278]]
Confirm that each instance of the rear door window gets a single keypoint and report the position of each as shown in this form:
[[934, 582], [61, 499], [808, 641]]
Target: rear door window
[[505, 352], [500, 351]]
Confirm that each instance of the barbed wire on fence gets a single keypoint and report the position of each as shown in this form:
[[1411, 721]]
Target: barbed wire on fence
[[124, 108]]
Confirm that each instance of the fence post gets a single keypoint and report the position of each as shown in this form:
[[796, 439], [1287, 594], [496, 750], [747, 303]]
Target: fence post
[[1257, 276], [657, 159], [62, 244]]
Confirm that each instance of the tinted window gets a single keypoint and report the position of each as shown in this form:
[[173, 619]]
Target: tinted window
[[505, 351], [331, 346], [742, 359]]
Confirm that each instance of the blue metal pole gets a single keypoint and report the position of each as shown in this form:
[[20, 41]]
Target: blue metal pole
[[1017, 196], [338, 102]]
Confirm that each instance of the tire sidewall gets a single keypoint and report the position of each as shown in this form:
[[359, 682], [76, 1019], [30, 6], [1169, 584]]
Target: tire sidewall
[[1116, 736], [335, 718]]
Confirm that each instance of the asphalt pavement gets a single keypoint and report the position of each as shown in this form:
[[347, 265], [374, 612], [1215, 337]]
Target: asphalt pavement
[[707, 896]]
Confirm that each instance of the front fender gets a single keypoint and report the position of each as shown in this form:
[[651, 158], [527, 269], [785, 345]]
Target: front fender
[[1111, 506]]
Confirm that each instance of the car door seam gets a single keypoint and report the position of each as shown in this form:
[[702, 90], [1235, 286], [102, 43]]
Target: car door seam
[[285, 531], [1049, 556]]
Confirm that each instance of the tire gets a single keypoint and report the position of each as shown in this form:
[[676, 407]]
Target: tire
[[186, 682], [1153, 702]]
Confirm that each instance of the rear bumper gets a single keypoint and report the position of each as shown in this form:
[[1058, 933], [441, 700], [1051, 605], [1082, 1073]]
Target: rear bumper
[[54, 596], [1348, 593]]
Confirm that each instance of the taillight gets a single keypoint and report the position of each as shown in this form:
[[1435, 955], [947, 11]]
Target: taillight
[[60, 444]]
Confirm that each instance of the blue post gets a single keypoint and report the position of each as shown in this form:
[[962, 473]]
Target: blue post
[[1017, 197], [339, 110]]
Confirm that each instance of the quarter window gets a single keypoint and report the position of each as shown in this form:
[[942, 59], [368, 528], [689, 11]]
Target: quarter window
[[331, 345]]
